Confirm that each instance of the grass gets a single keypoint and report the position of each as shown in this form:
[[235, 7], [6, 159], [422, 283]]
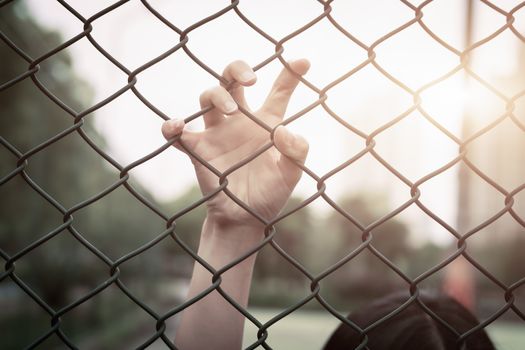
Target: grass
[[510, 336], [307, 330]]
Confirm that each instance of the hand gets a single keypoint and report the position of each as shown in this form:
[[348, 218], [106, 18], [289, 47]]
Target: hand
[[265, 183]]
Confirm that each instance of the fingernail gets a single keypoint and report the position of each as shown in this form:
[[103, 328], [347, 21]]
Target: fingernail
[[230, 106], [303, 69], [248, 76], [176, 124], [288, 137]]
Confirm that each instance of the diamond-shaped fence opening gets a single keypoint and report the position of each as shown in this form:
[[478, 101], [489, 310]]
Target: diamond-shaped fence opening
[[415, 174]]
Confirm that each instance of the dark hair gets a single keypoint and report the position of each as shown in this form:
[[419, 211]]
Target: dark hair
[[411, 328]]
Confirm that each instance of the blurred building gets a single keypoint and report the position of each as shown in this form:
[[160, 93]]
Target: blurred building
[[500, 154]]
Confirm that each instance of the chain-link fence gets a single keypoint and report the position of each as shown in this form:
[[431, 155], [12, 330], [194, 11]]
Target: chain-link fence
[[113, 266]]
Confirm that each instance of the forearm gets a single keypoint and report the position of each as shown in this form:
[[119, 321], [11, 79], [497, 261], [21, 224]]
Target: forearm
[[264, 184], [213, 322]]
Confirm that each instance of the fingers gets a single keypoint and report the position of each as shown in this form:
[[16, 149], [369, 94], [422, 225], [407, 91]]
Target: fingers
[[294, 149], [284, 86], [174, 127], [291, 145], [241, 74], [223, 102]]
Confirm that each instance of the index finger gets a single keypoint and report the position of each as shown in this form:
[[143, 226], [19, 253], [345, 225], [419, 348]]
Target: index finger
[[240, 74], [284, 86]]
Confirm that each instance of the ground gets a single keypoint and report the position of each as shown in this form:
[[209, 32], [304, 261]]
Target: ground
[[307, 330]]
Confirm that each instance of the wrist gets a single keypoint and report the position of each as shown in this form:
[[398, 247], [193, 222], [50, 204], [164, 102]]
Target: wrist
[[226, 242], [228, 215], [230, 227]]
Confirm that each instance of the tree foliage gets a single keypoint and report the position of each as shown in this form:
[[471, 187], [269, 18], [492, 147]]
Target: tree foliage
[[61, 269]]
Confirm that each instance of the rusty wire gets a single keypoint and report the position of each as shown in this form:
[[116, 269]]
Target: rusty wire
[[170, 233]]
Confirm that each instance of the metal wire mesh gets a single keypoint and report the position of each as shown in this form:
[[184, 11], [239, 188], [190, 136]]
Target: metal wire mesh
[[113, 266]]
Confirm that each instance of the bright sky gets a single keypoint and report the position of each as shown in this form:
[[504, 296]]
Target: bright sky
[[366, 100]]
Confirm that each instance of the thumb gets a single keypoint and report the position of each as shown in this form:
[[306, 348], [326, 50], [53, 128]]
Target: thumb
[[284, 86], [294, 149]]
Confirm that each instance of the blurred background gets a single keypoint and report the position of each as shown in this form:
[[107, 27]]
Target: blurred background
[[61, 270]]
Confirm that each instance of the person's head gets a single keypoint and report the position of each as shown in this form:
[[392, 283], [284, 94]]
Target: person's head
[[412, 328]]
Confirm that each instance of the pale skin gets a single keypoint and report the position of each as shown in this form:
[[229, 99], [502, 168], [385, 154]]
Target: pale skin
[[264, 184]]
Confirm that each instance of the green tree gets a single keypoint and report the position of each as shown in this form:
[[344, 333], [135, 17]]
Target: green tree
[[61, 270]]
